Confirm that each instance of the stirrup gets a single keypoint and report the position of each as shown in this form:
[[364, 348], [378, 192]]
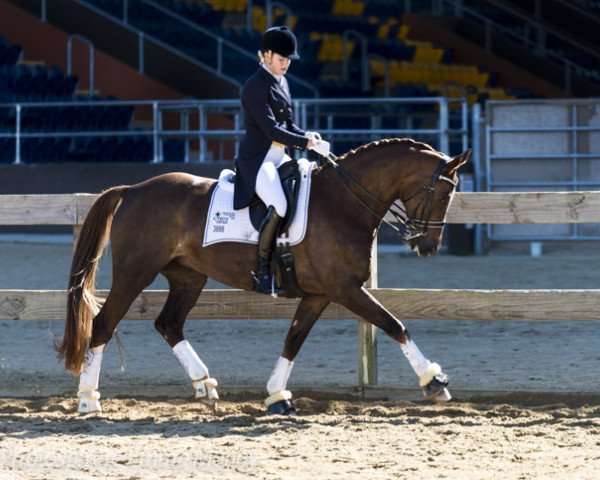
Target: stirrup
[[265, 283]]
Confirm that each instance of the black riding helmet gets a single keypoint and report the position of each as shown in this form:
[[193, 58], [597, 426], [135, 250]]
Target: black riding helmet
[[280, 40]]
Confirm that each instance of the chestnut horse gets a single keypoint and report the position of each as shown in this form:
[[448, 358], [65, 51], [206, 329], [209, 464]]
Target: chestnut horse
[[156, 227]]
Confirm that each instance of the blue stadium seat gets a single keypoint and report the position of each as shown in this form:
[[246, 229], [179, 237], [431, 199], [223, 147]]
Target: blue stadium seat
[[109, 150], [38, 85], [55, 81], [20, 80], [7, 150], [6, 94], [10, 55], [58, 150], [143, 151], [123, 118], [173, 150], [29, 150], [67, 87]]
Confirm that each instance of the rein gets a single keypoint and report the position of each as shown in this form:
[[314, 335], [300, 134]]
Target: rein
[[414, 227]]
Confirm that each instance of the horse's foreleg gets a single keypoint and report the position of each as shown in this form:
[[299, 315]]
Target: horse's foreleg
[[431, 379], [308, 312], [184, 288]]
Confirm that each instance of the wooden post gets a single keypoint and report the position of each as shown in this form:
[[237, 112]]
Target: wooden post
[[76, 230], [367, 336]]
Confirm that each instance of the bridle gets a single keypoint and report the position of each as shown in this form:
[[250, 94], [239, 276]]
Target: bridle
[[415, 225]]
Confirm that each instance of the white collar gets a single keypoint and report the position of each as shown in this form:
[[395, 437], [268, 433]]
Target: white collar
[[279, 78]]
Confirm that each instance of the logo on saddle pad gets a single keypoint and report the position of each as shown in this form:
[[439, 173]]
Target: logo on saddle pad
[[224, 224], [223, 217]]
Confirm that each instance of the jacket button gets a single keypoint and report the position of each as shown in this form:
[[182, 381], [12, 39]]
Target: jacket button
[[281, 110], [289, 109]]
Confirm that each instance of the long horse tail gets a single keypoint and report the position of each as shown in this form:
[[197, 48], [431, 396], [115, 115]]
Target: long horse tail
[[82, 305]]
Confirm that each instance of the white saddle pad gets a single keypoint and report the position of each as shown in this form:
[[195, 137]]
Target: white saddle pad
[[224, 224]]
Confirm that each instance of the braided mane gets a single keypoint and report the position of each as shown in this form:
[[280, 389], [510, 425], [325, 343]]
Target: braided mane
[[387, 141]]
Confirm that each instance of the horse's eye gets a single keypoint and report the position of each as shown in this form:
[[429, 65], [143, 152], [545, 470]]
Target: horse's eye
[[443, 199]]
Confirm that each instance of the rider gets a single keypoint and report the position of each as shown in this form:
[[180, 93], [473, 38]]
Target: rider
[[270, 128]]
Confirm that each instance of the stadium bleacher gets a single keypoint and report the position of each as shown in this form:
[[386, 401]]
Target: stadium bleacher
[[319, 26], [30, 83], [416, 68]]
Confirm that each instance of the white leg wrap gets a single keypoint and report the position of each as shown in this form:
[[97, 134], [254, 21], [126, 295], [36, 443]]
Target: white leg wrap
[[424, 369], [277, 397], [194, 367], [434, 369], [88, 382], [204, 385], [279, 376]]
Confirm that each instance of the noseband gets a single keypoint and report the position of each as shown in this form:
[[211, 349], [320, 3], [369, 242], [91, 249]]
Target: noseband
[[415, 225]]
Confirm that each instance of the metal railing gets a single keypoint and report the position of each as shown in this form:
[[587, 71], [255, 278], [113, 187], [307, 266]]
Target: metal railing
[[542, 145], [433, 113], [88, 43], [144, 37], [320, 114], [365, 80]]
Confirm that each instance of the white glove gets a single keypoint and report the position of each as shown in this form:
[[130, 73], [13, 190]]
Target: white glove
[[314, 136], [321, 147]]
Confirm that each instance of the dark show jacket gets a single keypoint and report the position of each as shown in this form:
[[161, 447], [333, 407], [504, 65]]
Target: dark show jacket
[[268, 118]]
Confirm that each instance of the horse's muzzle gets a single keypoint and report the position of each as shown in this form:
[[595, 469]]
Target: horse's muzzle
[[425, 246]]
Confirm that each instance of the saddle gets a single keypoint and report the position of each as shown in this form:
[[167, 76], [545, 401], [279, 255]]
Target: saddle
[[225, 224]]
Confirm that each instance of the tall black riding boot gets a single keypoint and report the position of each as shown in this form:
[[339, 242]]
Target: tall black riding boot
[[261, 277]]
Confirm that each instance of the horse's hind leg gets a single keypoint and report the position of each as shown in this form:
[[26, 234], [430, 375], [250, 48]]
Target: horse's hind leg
[[308, 312], [185, 285], [120, 298], [431, 379]]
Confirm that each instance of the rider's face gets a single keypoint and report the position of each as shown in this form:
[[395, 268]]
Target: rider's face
[[277, 64]]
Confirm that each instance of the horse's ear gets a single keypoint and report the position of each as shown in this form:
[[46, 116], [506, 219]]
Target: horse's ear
[[453, 165]]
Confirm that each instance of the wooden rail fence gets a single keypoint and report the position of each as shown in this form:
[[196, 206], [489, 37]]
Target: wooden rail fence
[[476, 208]]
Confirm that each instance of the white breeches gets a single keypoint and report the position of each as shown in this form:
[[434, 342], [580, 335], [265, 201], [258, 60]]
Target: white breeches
[[268, 184]]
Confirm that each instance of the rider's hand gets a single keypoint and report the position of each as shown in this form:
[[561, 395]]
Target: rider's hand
[[321, 147], [314, 136]]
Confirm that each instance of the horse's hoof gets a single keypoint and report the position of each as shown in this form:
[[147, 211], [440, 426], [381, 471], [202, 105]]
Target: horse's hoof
[[283, 407], [206, 391], [442, 397], [437, 388], [89, 405]]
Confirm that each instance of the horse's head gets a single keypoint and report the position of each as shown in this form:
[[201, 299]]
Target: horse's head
[[426, 209]]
